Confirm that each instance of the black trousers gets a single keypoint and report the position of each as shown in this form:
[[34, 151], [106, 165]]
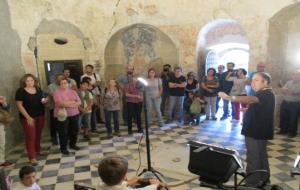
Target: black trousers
[[289, 114], [108, 116], [124, 109], [134, 111], [67, 131], [164, 97], [94, 117], [257, 159], [53, 126]]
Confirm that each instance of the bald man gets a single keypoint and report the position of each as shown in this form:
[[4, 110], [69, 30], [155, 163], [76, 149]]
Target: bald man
[[260, 67], [123, 80], [258, 125]]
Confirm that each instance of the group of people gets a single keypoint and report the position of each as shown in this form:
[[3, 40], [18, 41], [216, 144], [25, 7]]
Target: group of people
[[168, 94]]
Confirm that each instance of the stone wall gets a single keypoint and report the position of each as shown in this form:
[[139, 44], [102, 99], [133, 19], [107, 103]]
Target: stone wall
[[11, 70], [181, 20]]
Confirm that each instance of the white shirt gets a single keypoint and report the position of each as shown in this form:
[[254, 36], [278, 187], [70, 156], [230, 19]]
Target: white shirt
[[93, 81], [124, 186], [20, 186]]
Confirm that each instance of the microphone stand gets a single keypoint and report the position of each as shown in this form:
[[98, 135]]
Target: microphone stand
[[149, 167]]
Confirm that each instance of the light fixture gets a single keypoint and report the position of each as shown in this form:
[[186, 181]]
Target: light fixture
[[143, 81]]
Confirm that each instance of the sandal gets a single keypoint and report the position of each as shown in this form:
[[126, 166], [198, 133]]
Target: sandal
[[34, 162]]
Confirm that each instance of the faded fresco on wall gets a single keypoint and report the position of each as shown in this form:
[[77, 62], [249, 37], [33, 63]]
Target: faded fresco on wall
[[139, 46]]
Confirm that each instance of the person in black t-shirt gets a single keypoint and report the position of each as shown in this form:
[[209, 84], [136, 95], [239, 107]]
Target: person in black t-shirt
[[210, 85], [258, 126], [165, 77], [177, 85], [30, 101], [226, 87], [221, 69]]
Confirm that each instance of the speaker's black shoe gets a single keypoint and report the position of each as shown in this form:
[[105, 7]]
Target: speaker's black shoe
[[292, 135], [65, 152], [74, 147], [281, 132]]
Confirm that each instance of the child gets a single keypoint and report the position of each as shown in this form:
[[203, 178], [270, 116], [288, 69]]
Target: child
[[193, 106], [113, 169], [94, 106], [85, 109], [111, 106], [27, 176]]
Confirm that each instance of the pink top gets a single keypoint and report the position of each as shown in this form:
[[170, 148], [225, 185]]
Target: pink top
[[66, 95]]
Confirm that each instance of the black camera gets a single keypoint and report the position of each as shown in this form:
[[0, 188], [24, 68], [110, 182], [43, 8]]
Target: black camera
[[234, 73]]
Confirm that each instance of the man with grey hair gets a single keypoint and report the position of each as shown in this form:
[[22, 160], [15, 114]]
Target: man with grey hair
[[260, 67], [258, 127], [290, 107]]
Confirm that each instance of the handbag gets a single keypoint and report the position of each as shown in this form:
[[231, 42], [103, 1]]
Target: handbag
[[62, 114], [5, 116], [195, 107]]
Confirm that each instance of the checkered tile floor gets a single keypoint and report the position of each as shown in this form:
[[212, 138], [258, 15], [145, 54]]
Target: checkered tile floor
[[56, 171]]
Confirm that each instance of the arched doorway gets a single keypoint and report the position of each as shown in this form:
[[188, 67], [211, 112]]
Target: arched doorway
[[222, 41], [143, 45], [284, 43]]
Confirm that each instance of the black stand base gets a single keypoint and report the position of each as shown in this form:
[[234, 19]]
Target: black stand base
[[155, 173]]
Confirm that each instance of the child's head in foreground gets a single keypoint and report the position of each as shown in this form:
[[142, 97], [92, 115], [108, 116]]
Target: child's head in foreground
[[112, 169], [27, 175]]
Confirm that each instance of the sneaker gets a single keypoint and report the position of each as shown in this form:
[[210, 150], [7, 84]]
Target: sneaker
[[214, 118], [34, 162], [207, 118], [223, 118], [74, 147], [281, 132], [6, 164], [87, 137], [65, 152], [94, 131], [292, 135], [54, 142], [161, 124], [117, 134], [168, 121], [140, 131]]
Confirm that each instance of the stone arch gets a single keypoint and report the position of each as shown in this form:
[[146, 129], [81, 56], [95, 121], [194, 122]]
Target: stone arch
[[283, 49], [221, 35], [140, 44], [46, 49]]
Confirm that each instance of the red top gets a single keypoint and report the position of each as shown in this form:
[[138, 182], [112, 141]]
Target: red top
[[131, 88]]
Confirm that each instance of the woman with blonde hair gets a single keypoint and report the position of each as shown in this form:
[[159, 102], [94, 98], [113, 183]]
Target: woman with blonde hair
[[30, 100]]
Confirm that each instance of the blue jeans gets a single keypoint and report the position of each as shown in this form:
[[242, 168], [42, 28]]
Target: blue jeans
[[154, 103], [85, 120], [176, 105], [108, 116], [225, 108]]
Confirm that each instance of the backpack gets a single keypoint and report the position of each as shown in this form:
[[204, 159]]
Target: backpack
[[195, 107]]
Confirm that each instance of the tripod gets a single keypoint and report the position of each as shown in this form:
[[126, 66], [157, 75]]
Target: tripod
[[149, 167]]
